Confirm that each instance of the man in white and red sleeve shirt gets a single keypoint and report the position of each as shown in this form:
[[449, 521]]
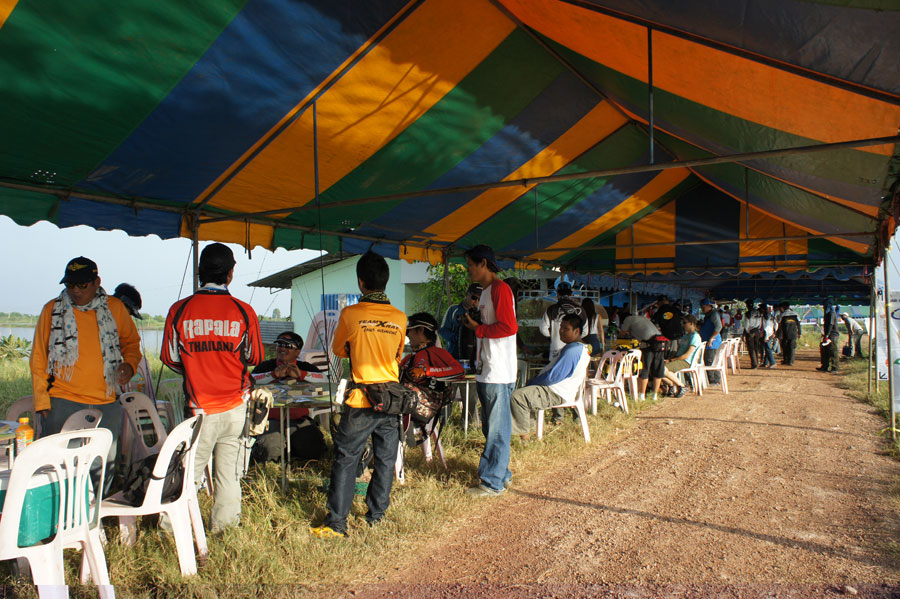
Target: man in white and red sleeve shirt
[[496, 370], [212, 339]]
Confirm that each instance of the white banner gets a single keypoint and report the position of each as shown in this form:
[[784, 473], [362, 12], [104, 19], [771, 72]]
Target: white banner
[[881, 335], [893, 329]]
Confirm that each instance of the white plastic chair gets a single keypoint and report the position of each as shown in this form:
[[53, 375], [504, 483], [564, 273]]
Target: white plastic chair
[[578, 404], [67, 459], [719, 365], [82, 420], [734, 353], [24, 407], [183, 512], [138, 409], [693, 371], [631, 375], [611, 385]]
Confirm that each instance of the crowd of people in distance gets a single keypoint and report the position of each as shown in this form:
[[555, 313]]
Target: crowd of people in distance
[[86, 347]]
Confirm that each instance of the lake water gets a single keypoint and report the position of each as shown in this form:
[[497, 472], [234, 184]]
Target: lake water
[[151, 338]]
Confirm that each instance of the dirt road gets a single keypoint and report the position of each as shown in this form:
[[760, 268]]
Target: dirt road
[[781, 487]]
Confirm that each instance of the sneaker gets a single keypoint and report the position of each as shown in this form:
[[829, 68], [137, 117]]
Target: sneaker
[[680, 393], [484, 491], [326, 532]]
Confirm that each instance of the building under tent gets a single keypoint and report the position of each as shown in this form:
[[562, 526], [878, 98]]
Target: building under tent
[[617, 137]]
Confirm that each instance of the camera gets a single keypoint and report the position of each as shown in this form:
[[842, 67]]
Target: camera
[[474, 313]]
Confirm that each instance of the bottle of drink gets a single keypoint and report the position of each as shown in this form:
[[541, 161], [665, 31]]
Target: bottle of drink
[[24, 434]]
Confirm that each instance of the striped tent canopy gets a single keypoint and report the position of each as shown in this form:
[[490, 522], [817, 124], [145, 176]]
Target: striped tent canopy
[[612, 136]]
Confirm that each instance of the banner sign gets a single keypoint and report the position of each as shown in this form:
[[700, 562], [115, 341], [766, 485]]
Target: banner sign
[[880, 328]]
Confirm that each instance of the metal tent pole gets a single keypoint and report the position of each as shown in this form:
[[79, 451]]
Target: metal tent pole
[[887, 330], [195, 250]]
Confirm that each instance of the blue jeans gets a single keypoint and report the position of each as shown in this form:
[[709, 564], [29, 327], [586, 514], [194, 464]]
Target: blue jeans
[[356, 425], [770, 353], [496, 424]]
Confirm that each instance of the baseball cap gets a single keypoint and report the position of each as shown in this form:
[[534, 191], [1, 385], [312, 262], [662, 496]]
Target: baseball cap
[[80, 270], [129, 296], [422, 319], [483, 252], [474, 289], [216, 258], [845, 314], [288, 339], [706, 302]]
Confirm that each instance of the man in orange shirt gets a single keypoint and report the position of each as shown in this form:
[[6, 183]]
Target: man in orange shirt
[[85, 345], [370, 333]]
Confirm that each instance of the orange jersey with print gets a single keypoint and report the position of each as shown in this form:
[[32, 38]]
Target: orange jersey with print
[[212, 338], [371, 334]]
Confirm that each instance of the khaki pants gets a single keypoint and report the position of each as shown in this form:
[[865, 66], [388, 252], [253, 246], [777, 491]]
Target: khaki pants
[[220, 437], [527, 400]]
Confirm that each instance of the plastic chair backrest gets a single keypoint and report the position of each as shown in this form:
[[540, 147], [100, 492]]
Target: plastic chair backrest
[[172, 391], [81, 420], [138, 410], [609, 360], [698, 356], [631, 356], [24, 407], [719, 360], [185, 434], [67, 458]]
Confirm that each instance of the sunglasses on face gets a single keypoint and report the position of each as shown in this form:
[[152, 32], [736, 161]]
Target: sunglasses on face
[[81, 286], [475, 297], [286, 344]]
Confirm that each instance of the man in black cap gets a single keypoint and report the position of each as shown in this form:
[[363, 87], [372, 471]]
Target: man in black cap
[[85, 345], [285, 364], [212, 339]]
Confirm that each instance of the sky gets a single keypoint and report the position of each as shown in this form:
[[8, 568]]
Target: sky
[[36, 256]]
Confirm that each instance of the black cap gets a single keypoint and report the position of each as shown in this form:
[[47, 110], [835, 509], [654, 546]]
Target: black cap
[[474, 289], [80, 270], [216, 258], [564, 288], [483, 252], [422, 319], [290, 337], [129, 296]]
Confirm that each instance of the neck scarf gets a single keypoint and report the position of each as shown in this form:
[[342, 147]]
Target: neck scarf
[[375, 296], [63, 342]]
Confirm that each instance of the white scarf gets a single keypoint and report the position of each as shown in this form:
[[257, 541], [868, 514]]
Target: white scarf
[[63, 343]]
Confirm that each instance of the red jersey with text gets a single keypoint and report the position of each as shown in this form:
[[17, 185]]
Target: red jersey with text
[[212, 339]]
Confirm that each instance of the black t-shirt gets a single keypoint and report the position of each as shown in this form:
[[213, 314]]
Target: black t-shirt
[[668, 319]]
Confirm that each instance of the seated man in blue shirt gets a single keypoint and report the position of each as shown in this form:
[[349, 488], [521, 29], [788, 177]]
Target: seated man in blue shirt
[[557, 383]]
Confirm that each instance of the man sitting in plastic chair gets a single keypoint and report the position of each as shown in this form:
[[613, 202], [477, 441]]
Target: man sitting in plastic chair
[[557, 382]]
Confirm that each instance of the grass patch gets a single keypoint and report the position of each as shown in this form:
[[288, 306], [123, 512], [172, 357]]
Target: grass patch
[[272, 547], [855, 380]]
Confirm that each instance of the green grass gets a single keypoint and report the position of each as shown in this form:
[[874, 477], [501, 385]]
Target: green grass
[[855, 380], [272, 546], [15, 382]]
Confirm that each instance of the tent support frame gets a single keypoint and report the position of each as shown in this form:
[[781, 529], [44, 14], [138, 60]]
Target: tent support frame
[[628, 170]]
